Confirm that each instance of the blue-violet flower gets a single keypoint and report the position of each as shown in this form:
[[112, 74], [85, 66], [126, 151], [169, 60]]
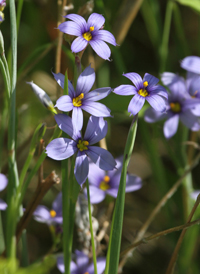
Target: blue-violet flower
[[63, 148], [89, 32], [145, 89], [82, 99], [191, 63], [82, 265], [51, 217], [180, 106], [102, 182]]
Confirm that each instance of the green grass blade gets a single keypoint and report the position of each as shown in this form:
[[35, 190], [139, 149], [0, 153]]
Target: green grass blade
[[117, 221]]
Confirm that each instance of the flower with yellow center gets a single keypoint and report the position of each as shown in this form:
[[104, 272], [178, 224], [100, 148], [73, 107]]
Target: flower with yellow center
[[104, 185], [82, 145], [87, 35], [175, 107], [52, 213], [143, 92], [77, 100]]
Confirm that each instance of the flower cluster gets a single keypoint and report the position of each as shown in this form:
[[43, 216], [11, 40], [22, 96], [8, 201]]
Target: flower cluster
[[183, 102]]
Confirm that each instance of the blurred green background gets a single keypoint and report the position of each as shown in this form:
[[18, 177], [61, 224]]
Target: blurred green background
[[153, 37]]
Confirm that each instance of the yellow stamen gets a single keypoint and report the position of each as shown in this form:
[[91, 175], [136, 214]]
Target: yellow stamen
[[106, 179], [175, 107], [82, 145], [86, 273], [145, 84], [104, 185], [77, 100], [52, 213], [87, 36], [195, 93], [92, 28], [143, 93]]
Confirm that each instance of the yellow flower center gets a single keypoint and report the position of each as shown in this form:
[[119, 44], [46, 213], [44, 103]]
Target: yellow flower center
[[82, 145], [77, 100], [86, 273], [52, 213], [104, 185], [87, 35], [143, 92], [175, 107]]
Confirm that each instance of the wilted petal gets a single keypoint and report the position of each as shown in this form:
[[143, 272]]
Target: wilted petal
[[157, 102], [41, 214], [61, 148], [136, 104], [135, 78], [101, 157], [85, 81], [106, 36], [71, 28], [97, 94], [3, 181], [96, 130], [79, 44], [77, 118], [125, 90], [64, 103], [3, 205], [171, 126], [81, 168], [191, 63], [95, 20], [65, 124], [101, 48], [60, 78], [152, 80], [151, 115], [79, 20], [96, 109]]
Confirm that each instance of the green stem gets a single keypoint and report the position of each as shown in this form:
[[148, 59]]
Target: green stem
[[112, 260], [165, 38], [19, 12], [13, 173], [66, 209], [91, 229]]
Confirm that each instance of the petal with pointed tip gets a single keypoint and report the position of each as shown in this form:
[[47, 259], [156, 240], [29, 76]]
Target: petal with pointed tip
[[96, 109], [101, 48], [85, 81], [96, 130], [97, 94], [96, 20], [157, 102], [64, 103], [71, 28], [135, 78], [79, 44]]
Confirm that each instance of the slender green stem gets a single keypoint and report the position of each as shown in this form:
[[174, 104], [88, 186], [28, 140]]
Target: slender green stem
[[112, 260], [66, 208], [5, 78], [91, 229], [13, 173], [165, 38], [19, 12]]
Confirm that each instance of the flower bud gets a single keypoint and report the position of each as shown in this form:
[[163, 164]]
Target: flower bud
[[43, 97]]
